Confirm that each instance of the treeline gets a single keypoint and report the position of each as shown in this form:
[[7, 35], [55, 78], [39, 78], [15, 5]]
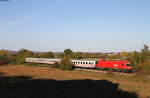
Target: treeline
[[139, 60], [19, 57]]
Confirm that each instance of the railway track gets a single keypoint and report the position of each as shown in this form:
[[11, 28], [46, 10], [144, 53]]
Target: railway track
[[103, 71]]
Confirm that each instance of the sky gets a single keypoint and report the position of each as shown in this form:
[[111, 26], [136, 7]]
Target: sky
[[80, 25]]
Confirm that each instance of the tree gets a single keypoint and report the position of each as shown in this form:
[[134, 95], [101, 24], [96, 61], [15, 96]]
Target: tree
[[68, 53], [123, 54], [50, 54], [140, 59], [145, 54], [22, 51], [22, 54], [47, 55], [7, 56], [135, 59], [77, 55], [66, 64], [3, 55]]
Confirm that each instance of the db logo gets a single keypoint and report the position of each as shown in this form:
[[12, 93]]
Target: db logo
[[115, 65]]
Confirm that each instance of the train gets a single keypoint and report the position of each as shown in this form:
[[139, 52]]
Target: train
[[121, 65]]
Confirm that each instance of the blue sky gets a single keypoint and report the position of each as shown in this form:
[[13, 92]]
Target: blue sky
[[81, 25]]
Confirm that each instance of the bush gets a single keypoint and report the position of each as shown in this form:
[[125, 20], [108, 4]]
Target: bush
[[56, 65], [140, 60], [66, 64]]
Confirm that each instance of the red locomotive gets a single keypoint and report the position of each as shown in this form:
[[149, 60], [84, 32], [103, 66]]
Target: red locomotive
[[116, 65]]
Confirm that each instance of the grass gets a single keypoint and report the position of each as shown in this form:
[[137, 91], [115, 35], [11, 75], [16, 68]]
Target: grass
[[127, 84]]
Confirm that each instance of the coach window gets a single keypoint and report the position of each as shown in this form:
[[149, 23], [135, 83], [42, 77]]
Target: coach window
[[89, 63]]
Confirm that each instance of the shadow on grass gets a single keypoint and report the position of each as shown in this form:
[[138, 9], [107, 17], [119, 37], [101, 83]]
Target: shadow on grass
[[26, 87]]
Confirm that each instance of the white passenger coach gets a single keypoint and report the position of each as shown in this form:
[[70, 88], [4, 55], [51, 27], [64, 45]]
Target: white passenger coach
[[75, 62], [84, 63], [43, 60]]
